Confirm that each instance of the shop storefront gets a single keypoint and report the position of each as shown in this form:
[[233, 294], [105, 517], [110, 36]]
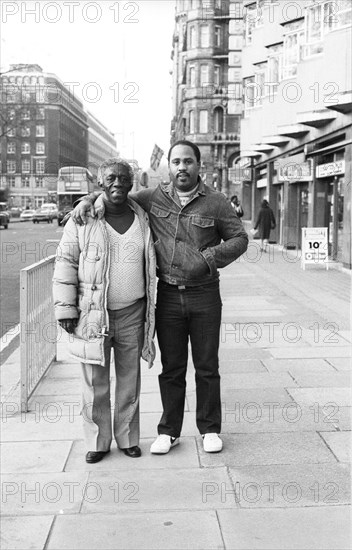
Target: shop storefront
[[330, 184], [292, 192]]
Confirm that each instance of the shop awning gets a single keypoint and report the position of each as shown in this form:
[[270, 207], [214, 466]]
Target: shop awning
[[251, 154], [331, 148], [316, 119], [275, 140], [292, 130], [342, 103], [263, 147]]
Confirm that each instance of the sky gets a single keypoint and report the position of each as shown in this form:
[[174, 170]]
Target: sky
[[115, 55]]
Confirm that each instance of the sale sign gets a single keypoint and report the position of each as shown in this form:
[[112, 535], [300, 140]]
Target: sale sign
[[314, 246]]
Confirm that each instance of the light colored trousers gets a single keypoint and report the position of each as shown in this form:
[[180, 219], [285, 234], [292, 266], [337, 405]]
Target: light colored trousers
[[126, 334]]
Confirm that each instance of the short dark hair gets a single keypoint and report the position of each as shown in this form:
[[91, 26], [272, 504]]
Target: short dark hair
[[189, 144]]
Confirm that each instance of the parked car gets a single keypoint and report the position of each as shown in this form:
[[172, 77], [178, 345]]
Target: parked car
[[15, 212], [42, 215], [27, 215], [4, 215], [51, 207]]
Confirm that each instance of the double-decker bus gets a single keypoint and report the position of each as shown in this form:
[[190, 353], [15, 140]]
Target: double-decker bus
[[73, 183]]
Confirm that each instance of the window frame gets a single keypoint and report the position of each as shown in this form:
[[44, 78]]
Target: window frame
[[191, 121], [204, 43], [204, 74], [204, 122], [25, 148], [289, 66], [37, 132], [25, 166], [11, 167]]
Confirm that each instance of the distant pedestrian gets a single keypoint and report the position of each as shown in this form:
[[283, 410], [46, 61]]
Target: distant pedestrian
[[235, 203], [265, 222]]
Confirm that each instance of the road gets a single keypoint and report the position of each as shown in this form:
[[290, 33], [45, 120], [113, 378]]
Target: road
[[22, 244]]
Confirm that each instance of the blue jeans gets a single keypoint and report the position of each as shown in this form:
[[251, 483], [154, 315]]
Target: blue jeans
[[189, 313]]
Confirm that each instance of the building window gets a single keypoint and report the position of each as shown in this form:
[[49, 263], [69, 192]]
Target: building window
[[26, 166], [40, 148], [343, 17], [11, 148], [11, 166], [25, 181], [274, 68], [25, 131], [203, 121], [11, 181], [217, 75], [293, 41], [217, 36], [191, 122], [11, 132], [218, 120], [260, 72], [204, 75], [321, 19], [192, 76], [250, 17], [25, 148], [39, 182], [192, 37], [204, 36], [26, 115], [259, 20], [39, 131], [218, 4], [40, 113], [250, 93], [40, 166]]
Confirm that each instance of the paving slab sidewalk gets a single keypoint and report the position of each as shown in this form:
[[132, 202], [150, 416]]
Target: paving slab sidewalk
[[283, 478]]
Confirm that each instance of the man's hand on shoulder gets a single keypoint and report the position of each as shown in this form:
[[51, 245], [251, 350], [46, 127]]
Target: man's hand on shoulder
[[83, 209]]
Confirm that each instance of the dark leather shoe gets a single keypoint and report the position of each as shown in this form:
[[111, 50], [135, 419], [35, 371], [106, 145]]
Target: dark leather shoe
[[95, 456], [133, 452]]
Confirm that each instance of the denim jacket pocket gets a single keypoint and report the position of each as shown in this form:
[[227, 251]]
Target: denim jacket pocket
[[200, 221], [159, 212]]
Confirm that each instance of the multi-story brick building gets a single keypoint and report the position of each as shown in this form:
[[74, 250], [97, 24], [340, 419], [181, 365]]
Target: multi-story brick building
[[44, 127], [297, 125], [207, 92]]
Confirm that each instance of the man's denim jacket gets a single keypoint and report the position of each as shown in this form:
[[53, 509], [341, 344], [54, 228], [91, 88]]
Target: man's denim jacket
[[192, 241]]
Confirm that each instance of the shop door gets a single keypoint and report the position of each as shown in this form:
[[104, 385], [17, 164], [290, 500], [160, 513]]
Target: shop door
[[279, 214], [335, 217], [302, 212]]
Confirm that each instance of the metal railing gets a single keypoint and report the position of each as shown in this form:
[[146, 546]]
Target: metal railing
[[38, 336]]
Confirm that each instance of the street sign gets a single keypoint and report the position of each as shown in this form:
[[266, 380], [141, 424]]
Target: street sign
[[314, 246]]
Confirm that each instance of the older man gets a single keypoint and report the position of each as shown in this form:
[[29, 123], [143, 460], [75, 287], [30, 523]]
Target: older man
[[104, 287], [196, 231]]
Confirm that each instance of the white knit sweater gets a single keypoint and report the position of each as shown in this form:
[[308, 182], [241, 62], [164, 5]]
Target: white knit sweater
[[126, 275]]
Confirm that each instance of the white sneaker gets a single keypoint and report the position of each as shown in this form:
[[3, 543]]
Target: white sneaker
[[163, 444], [212, 443]]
